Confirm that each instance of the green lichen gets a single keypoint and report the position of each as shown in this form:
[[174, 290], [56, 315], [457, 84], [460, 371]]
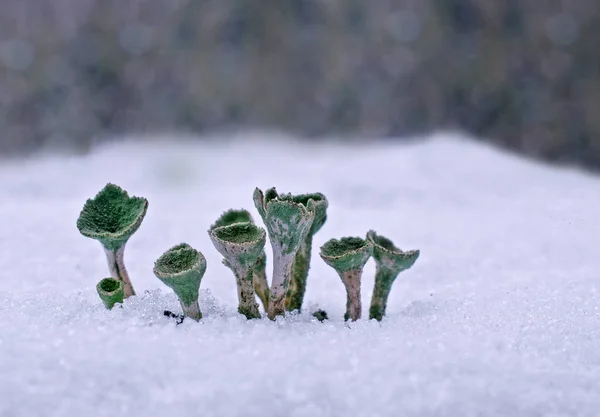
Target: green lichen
[[233, 216], [247, 305], [111, 291], [300, 268], [181, 268], [112, 216], [347, 253], [320, 203], [239, 233], [239, 243], [381, 291], [110, 285], [387, 255], [390, 262], [301, 265], [259, 280], [259, 274], [288, 224]]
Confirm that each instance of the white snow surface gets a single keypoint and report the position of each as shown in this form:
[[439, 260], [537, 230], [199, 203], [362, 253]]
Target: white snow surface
[[499, 317]]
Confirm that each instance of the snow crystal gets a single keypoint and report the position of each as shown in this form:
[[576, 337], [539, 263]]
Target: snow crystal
[[500, 316]]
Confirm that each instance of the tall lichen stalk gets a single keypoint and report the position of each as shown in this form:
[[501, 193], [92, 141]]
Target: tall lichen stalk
[[116, 265], [381, 290], [247, 301], [259, 280], [288, 223], [301, 266]]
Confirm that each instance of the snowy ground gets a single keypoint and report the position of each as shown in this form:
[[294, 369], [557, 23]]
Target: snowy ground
[[499, 317]]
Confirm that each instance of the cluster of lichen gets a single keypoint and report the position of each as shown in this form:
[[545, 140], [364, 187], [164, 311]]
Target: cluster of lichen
[[291, 221]]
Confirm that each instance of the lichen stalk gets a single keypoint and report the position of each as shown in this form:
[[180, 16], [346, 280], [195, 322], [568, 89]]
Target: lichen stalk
[[191, 310], [384, 278], [351, 280], [282, 272], [288, 222], [259, 280], [246, 301], [300, 267], [116, 266]]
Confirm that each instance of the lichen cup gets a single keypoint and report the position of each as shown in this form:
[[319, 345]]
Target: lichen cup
[[111, 291], [241, 244], [259, 274], [112, 217], [181, 268], [390, 262], [348, 257], [297, 287]]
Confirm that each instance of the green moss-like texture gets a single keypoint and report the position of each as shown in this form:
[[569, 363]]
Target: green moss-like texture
[[387, 255], [300, 268], [390, 262], [288, 222], [239, 233], [347, 253], [233, 216], [301, 265], [181, 268], [110, 291], [320, 203], [384, 279], [259, 280], [112, 216], [240, 243]]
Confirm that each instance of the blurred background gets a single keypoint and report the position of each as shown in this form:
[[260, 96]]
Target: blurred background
[[524, 74]]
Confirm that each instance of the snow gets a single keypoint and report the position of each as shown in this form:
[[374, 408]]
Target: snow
[[499, 317]]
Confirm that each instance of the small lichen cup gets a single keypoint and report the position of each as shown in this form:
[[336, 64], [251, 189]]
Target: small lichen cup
[[297, 287], [259, 275], [181, 268], [348, 257], [111, 291], [288, 222], [112, 217], [390, 262], [241, 244]]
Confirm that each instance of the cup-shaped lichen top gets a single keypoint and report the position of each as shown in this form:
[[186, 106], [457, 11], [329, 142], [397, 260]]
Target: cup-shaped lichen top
[[388, 256], [346, 254], [181, 268], [288, 222], [111, 291], [320, 204], [112, 216], [232, 217], [239, 243]]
